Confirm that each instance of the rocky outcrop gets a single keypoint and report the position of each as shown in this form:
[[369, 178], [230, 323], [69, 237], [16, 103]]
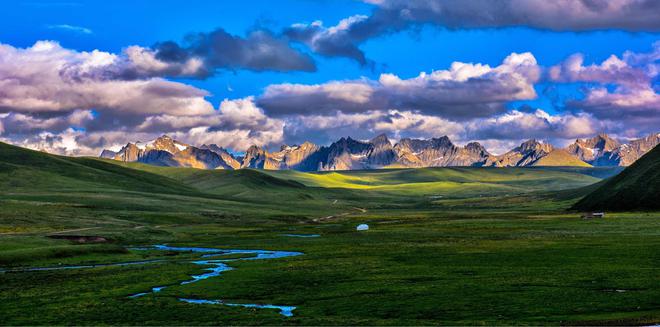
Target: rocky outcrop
[[631, 152], [525, 154], [108, 154], [164, 151], [602, 150], [346, 154], [439, 152], [382, 153], [229, 160], [598, 148]]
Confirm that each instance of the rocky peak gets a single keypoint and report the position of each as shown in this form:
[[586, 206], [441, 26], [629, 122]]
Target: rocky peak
[[255, 157], [254, 150], [227, 157], [533, 146], [381, 140], [602, 142], [350, 145], [108, 154], [442, 142], [605, 143], [476, 147], [164, 143], [214, 148], [130, 152]]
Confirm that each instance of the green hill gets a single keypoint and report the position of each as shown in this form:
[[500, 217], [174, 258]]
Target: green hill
[[560, 157], [635, 188], [243, 184], [446, 182], [27, 170]]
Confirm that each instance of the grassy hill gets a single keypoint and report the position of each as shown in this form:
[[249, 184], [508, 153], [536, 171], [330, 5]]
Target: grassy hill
[[26, 170], [89, 191], [635, 188], [447, 182], [244, 184], [561, 157]]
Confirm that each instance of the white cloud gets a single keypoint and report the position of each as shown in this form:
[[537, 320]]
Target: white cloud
[[49, 78], [463, 91], [517, 125], [624, 90], [71, 28]]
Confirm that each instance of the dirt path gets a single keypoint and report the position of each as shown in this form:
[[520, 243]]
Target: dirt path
[[343, 214], [73, 230], [53, 233]]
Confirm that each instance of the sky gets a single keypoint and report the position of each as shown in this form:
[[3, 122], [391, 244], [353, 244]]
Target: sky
[[80, 76]]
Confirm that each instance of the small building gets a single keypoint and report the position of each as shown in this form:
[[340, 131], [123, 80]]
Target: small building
[[590, 215]]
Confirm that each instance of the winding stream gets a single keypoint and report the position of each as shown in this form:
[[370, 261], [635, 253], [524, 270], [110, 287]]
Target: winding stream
[[216, 267]]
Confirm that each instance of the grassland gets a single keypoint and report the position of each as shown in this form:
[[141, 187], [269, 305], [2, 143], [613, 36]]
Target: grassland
[[446, 246]]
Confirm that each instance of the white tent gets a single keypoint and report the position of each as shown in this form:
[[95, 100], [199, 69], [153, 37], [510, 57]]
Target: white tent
[[362, 227]]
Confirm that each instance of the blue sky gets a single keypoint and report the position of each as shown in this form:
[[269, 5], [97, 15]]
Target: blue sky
[[112, 26]]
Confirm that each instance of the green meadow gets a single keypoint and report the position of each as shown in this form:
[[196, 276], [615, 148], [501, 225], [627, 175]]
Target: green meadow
[[449, 246]]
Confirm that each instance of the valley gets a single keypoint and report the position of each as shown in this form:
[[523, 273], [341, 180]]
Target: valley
[[444, 246], [330, 163]]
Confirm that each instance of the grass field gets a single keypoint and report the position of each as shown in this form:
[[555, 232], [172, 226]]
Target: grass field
[[456, 246]]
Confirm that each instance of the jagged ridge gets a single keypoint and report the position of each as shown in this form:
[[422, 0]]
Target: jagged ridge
[[379, 152]]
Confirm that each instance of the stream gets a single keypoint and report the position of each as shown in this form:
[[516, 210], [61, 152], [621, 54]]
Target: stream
[[216, 267]]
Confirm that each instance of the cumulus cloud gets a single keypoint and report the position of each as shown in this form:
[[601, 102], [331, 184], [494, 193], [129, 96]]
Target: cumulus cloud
[[63, 143], [520, 124], [391, 16], [639, 105], [55, 99], [19, 123], [37, 79], [611, 71], [335, 41], [620, 89], [261, 50], [464, 91], [570, 15], [237, 124], [365, 125]]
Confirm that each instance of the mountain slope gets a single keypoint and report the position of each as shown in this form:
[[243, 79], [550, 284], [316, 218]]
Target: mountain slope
[[23, 169], [560, 157], [602, 150], [242, 185], [635, 188], [164, 151], [524, 155], [31, 171]]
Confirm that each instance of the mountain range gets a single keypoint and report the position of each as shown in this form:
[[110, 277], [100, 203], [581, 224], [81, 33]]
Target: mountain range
[[380, 152]]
